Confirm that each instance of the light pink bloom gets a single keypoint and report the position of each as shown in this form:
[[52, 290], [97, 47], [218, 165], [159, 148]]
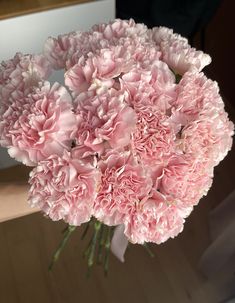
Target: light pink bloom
[[177, 120], [86, 76], [65, 51], [142, 53], [40, 125], [124, 183], [153, 87], [153, 139], [121, 28], [198, 96], [64, 188], [177, 53], [104, 122], [209, 139], [155, 220], [98, 72], [181, 58], [20, 75], [161, 34], [185, 179]]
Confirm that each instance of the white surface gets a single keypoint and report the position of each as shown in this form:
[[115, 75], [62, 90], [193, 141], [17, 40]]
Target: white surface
[[28, 33]]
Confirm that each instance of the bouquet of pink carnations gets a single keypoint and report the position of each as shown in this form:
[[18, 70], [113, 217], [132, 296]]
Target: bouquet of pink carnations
[[129, 141]]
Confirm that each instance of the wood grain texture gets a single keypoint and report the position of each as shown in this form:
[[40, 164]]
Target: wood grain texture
[[13, 8], [14, 193], [18, 173], [30, 241]]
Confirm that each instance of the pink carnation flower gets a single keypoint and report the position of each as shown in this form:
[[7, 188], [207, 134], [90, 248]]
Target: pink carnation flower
[[198, 114], [153, 87], [185, 179], [121, 29], [20, 75], [197, 96], [155, 220], [124, 182], [153, 139], [104, 121], [40, 125], [64, 188], [208, 139], [65, 51], [88, 75], [177, 53], [99, 71]]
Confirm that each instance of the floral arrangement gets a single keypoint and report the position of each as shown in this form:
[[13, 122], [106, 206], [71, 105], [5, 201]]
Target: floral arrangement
[[131, 138]]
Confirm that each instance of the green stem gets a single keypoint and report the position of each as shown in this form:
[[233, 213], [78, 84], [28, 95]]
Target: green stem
[[101, 242], [85, 230], [97, 227], [67, 234], [149, 251], [107, 250]]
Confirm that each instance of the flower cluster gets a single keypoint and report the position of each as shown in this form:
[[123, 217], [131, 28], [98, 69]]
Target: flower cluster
[[132, 140]]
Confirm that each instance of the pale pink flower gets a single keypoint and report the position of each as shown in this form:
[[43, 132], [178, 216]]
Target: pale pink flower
[[201, 124], [197, 96], [185, 179], [104, 122], [64, 188], [142, 52], [20, 75], [122, 28], [90, 75], [153, 138], [98, 72], [181, 58], [65, 51], [83, 152], [40, 125], [124, 183], [177, 120], [79, 77], [155, 220], [209, 139], [153, 87], [177, 53], [161, 33]]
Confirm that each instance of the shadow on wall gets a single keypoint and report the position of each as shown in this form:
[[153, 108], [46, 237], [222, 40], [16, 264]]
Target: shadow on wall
[[5, 159], [220, 44], [186, 17]]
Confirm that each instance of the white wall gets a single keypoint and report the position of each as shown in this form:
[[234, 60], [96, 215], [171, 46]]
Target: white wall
[[28, 33]]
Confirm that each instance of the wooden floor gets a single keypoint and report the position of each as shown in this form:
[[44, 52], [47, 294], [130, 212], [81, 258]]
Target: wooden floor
[[172, 276]]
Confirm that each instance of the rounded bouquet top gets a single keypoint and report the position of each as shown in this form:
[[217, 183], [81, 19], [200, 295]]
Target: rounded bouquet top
[[131, 138]]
